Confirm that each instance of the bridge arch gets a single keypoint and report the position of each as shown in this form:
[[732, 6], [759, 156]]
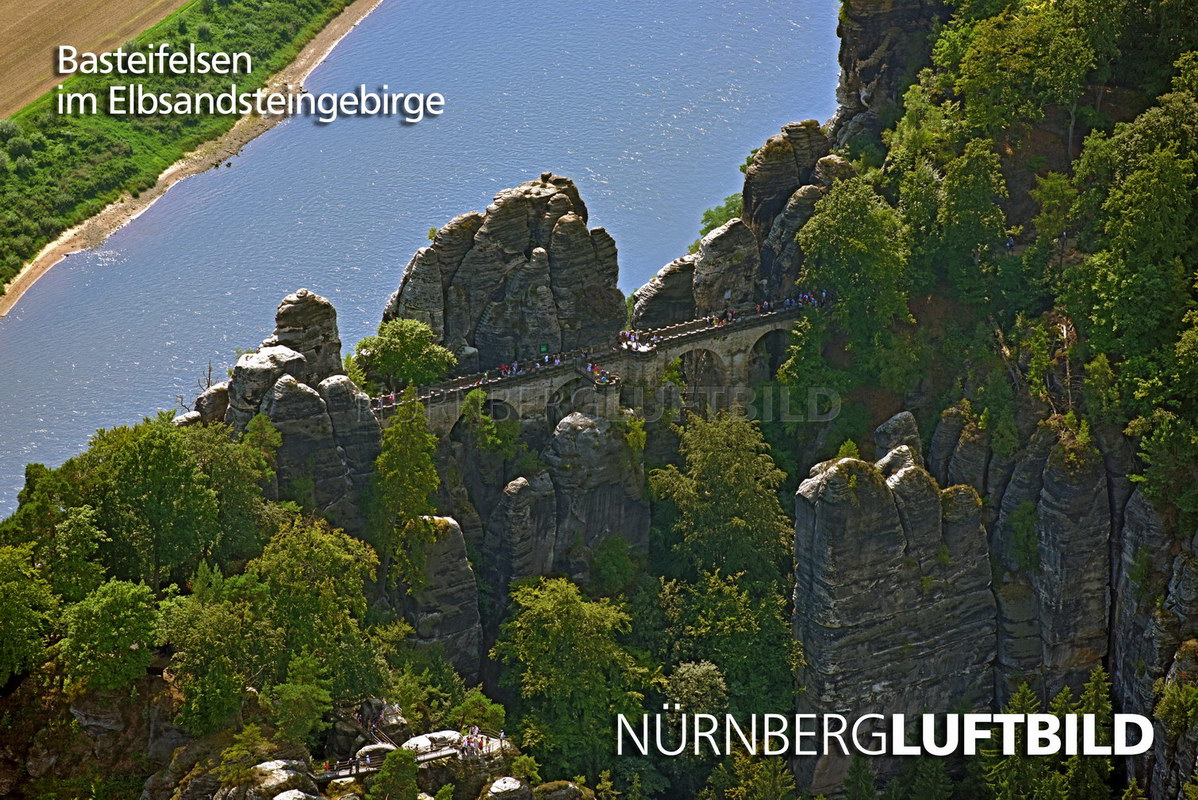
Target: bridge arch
[[495, 408], [767, 354], [576, 394], [705, 378]]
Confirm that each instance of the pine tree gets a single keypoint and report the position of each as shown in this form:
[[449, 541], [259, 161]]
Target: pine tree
[[397, 778], [930, 781], [1089, 776], [1133, 791], [299, 705], [250, 747], [859, 780], [405, 480], [1052, 786], [1010, 776]]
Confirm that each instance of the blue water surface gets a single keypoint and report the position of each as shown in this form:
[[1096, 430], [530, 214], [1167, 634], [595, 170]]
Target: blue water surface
[[650, 107]]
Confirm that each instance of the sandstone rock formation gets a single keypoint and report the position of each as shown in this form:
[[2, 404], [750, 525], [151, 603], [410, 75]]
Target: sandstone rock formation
[[444, 610], [283, 778], [591, 490], [522, 532], [186, 774], [1086, 571], [668, 297], [756, 257], [509, 788], [726, 269], [898, 431], [723, 274], [307, 323], [599, 488], [882, 47], [562, 790], [783, 164], [892, 597], [330, 437], [528, 272]]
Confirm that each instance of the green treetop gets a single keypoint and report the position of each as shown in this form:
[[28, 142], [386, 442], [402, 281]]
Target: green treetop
[[27, 605], [404, 352], [746, 777], [1012, 776], [854, 247], [300, 704], [572, 674], [971, 221], [397, 778], [69, 555], [729, 516], [109, 636], [154, 501], [859, 781], [405, 480]]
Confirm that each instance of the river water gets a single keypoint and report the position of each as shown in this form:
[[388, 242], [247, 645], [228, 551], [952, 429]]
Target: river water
[[649, 107]]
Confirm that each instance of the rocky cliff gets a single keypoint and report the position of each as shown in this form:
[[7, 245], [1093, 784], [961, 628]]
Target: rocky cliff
[[330, 437], [1085, 572], [882, 47], [497, 286], [1036, 566], [754, 257], [892, 597], [592, 489], [444, 609]]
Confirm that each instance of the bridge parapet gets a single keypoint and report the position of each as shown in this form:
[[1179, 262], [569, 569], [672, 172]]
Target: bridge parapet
[[530, 391]]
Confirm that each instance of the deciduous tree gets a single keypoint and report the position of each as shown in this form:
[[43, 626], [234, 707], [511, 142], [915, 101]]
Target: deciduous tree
[[109, 636], [572, 675], [729, 516], [404, 352], [855, 248], [26, 608]]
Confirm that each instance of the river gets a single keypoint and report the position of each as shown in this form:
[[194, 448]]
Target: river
[[649, 107]]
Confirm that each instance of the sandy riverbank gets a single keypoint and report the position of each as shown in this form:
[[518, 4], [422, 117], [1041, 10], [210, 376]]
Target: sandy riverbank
[[93, 231]]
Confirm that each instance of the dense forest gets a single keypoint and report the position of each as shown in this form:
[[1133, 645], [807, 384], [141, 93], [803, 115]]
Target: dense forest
[[1018, 244]]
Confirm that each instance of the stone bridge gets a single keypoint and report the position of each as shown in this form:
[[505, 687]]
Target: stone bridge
[[714, 361]]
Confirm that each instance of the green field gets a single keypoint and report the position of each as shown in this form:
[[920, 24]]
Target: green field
[[56, 171]]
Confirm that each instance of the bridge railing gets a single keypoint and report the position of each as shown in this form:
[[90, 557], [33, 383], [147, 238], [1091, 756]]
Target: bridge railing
[[667, 334]]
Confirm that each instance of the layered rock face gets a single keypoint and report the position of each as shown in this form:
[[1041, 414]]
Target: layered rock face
[[592, 490], [444, 610], [668, 297], [882, 47], [1086, 572], [892, 595], [726, 269], [1052, 530], [783, 164], [1051, 547], [330, 437], [755, 257], [528, 272]]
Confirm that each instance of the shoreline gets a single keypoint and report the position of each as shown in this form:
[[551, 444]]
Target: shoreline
[[95, 230]]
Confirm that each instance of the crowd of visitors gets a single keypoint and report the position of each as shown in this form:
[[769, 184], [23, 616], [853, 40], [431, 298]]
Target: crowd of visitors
[[638, 340], [629, 339]]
